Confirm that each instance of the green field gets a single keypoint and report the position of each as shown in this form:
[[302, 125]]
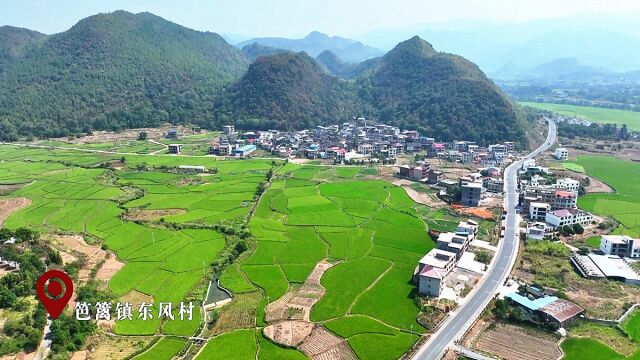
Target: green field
[[370, 228], [624, 204], [166, 348], [573, 167], [593, 114], [70, 193]]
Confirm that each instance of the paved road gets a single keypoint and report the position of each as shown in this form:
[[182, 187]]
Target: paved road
[[463, 317]]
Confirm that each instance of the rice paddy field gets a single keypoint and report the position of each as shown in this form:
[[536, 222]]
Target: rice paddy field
[[593, 114], [370, 227], [69, 194], [161, 224], [624, 203]]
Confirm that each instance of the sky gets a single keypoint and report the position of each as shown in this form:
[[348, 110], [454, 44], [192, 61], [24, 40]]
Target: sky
[[296, 18]]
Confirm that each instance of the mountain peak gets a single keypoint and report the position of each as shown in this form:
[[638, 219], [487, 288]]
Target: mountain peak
[[415, 45], [316, 36]]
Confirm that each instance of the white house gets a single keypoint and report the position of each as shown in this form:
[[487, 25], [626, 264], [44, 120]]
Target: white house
[[538, 210], [561, 153], [620, 245], [569, 184], [432, 270], [562, 217]]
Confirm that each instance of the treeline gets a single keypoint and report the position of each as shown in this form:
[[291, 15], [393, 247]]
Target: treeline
[[594, 131]]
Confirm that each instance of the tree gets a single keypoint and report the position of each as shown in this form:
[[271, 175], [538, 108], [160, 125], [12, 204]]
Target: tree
[[567, 230], [578, 229], [142, 135], [123, 160]]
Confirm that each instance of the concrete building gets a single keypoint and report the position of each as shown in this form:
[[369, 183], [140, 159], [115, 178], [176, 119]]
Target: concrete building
[[568, 184], [455, 243], [565, 200], [620, 245], [471, 193], [174, 148], [562, 217], [431, 271], [493, 185], [561, 153], [538, 211], [172, 133], [229, 130], [536, 231]]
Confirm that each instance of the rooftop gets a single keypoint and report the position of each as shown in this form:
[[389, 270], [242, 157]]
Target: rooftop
[[437, 258], [614, 267], [530, 304], [564, 194], [433, 272], [562, 310]]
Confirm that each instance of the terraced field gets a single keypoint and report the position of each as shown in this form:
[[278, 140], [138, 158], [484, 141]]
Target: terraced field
[[69, 193], [371, 227]]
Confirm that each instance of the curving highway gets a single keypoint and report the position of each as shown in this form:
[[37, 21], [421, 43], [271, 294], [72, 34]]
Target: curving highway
[[463, 317]]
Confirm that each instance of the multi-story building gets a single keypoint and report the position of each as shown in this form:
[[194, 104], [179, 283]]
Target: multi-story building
[[620, 245], [565, 200], [471, 193], [561, 153], [538, 210], [174, 148], [568, 184], [229, 130], [562, 217], [432, 270]]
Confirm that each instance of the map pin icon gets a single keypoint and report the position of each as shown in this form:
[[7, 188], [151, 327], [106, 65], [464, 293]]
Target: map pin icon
[[54, 289]]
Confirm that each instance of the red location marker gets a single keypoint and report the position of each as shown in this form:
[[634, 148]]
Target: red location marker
[[50, 291]]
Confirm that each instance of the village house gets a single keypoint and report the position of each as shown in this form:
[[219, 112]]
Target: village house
[[561, 153], [431, 271], [538, 210], [229, 130], [174, 148], [568, 184], [620, 245], [471, 193], [546, 310], [562, 217]]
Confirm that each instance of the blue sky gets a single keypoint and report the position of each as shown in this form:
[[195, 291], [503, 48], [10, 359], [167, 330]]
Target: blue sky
[[294, 18]]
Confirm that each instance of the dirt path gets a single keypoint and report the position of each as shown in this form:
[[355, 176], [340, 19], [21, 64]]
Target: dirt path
[[291, 326], [9, 206]]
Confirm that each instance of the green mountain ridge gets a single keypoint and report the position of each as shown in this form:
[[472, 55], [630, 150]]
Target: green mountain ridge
[[121, 70], [117, 70]]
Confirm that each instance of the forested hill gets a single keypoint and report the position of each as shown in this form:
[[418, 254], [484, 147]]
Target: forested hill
[[440, 94], [286, 90], [122, 70], [116, 70], [412, 86]]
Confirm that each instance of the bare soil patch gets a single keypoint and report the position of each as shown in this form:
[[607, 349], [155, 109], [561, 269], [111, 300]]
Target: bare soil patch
[[110, 266], [149, 215], [323, 345], [296, 304], [92, 254], [512, 342], [9, 206], [289, 333], [422, 198], [6, 189], [481, 212], [19, 356]]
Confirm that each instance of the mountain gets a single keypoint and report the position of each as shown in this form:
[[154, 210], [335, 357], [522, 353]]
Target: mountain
[[316, 42], [255, 50], [604, 40], [335, 65], [112, 71], [440, 94], [286, 90], [412, 86], [558, 69], [16, 42]]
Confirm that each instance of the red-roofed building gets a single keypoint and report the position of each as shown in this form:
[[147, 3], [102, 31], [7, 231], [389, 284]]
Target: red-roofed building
[[565, 200]]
